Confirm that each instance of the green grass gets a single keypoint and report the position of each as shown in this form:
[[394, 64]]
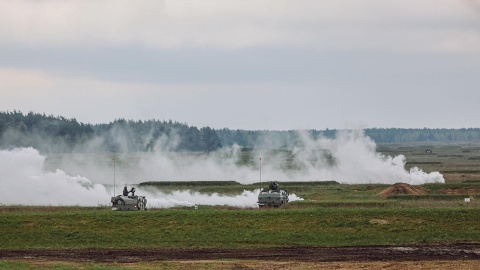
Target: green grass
[[342, 204], [437, 197], [238, 228], [180, 265], [332, 214], [7, 265], [29, 265]]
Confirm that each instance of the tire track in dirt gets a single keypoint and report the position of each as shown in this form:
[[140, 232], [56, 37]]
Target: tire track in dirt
[[304, 254]]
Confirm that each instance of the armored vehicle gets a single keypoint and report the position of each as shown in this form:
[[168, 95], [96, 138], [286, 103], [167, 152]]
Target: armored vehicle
[[272, 197], [127, 203]]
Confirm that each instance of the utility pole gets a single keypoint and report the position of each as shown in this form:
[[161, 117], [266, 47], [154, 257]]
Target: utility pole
[[113, 177], [260, 170]]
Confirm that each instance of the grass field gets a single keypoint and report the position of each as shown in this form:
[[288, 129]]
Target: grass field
[[238, 228], [332, 214], [456, 161]]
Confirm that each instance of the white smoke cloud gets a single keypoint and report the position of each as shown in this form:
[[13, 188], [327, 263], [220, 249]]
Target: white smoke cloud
[[29, 179], [353, 160], [248, 199], [356, 161], [25, 182], [349, 158]]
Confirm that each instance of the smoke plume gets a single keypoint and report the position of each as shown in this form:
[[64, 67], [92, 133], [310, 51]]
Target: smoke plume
[[25, 182], [29, 178]]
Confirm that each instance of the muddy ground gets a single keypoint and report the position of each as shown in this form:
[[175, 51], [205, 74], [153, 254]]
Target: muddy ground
[[451, 252]]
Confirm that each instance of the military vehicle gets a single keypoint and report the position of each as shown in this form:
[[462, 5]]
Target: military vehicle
[[272, 197], [127, 203]]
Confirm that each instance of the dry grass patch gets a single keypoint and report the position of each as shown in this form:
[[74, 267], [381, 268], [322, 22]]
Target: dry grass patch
[[379, 221]]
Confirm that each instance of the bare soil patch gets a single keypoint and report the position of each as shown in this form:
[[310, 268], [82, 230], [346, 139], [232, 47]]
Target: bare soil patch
[[452, 252], [273, 265]]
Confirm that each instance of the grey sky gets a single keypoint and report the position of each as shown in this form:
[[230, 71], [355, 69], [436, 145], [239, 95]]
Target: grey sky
[[245, 64]]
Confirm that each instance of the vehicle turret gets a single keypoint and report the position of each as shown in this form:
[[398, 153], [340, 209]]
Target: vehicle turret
[[273, 196]]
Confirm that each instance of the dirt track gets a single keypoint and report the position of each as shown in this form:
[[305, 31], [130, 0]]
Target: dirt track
[[304, 254]]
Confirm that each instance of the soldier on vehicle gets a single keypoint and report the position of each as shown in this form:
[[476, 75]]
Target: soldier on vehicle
[[273, 186], [125, 191]]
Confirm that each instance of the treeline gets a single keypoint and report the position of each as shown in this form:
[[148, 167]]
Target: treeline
[[398, 135], [247, 138], [58, 134], [46, 133]]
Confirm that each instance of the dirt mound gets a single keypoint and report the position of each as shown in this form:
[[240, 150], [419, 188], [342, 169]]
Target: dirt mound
[[403, 188]]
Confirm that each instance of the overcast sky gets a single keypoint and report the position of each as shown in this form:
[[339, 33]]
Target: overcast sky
[[245, 64]]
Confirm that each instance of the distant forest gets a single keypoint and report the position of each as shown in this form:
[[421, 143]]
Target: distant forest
[[58, 134]]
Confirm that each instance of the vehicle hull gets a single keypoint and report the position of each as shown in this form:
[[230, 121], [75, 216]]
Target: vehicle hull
[[129, 203]]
